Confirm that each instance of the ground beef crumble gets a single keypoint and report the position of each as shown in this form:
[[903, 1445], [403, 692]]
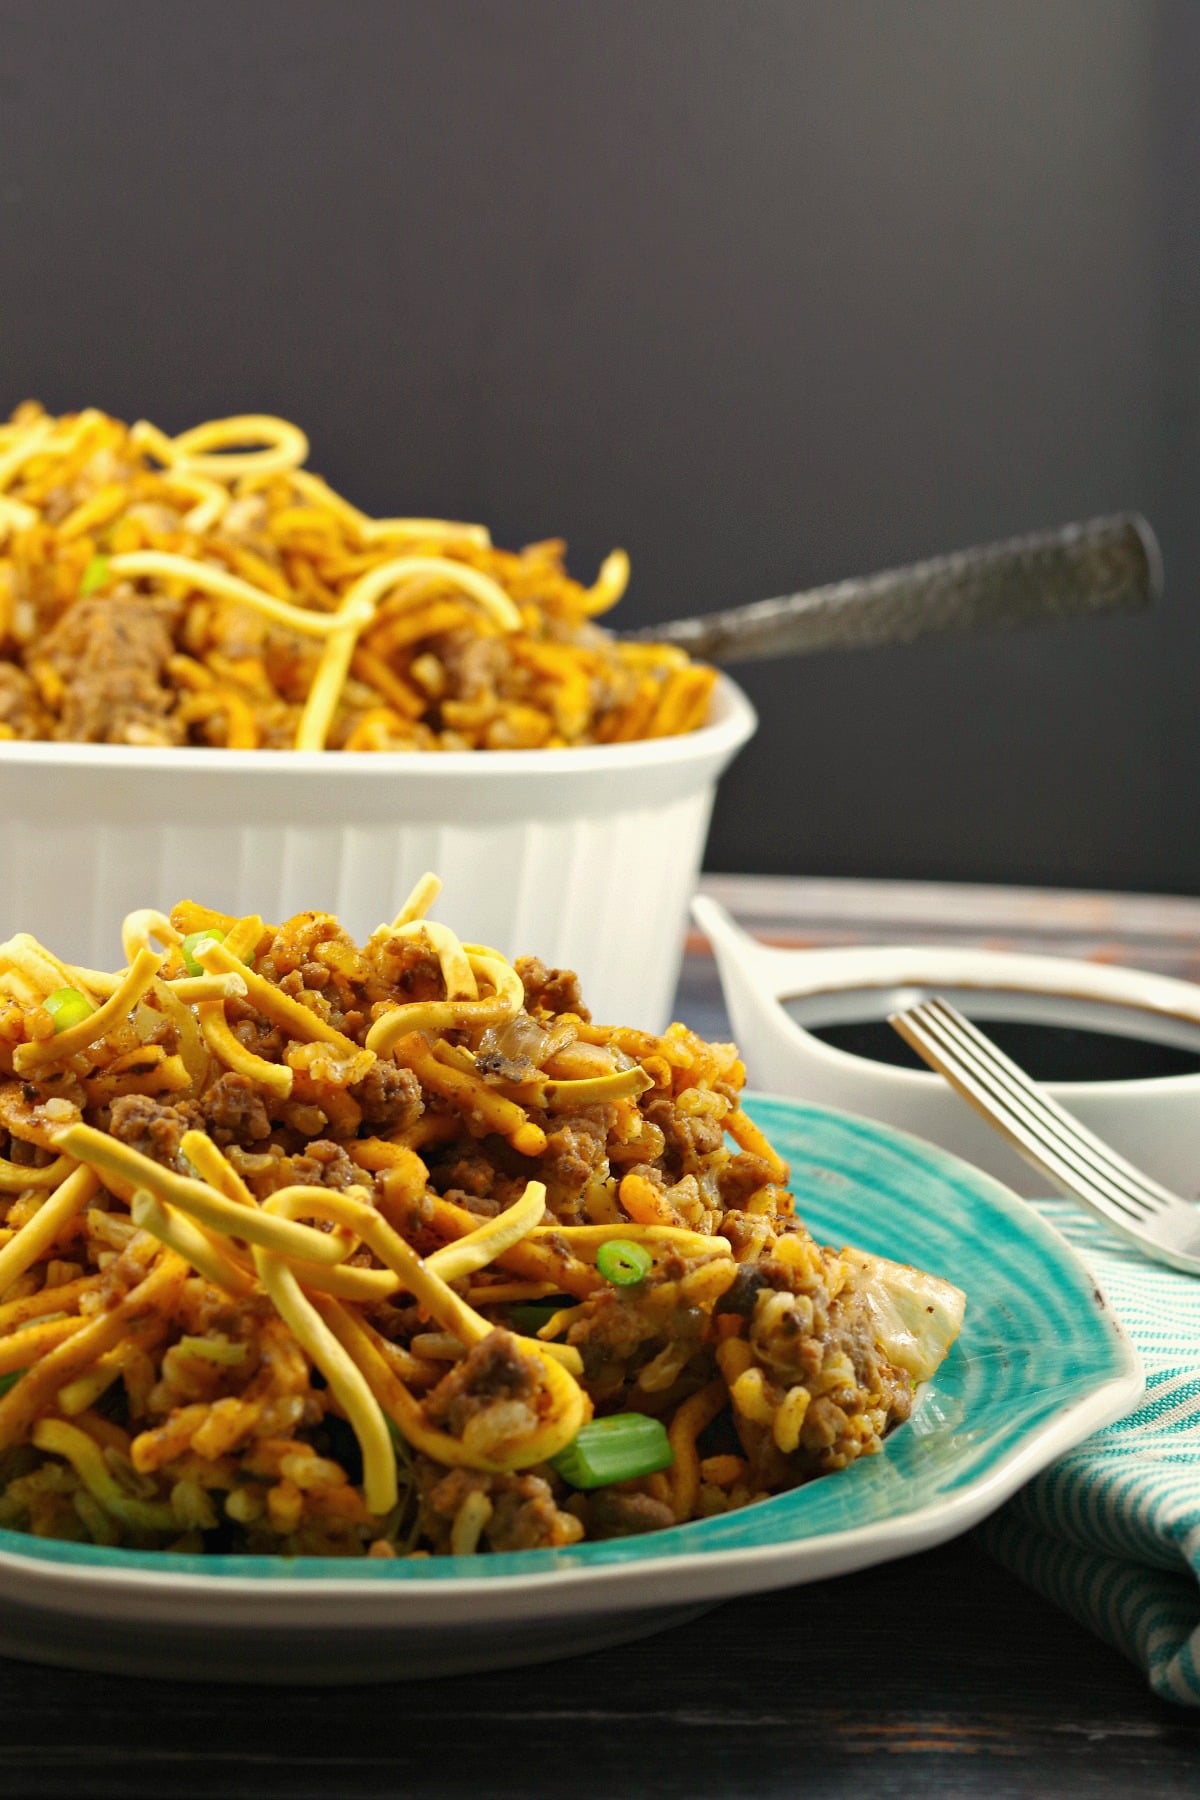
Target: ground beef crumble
[[323, 1164], [235, 1112], [550, 990], [688, 1136], [472, 664], [21, 710], [525, 1515], [751, 1280], [390, 1097], [609, 1513], [574, 1153], [111, 656], [153, 1129], [495, 1369]]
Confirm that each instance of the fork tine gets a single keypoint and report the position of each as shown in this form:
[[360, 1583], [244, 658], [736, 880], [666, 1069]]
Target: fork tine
[[1010, 1116], [1013, 1120], [1101, 1158]]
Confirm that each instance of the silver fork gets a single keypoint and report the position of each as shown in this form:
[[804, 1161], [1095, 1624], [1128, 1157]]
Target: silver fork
[[1164, 1225]]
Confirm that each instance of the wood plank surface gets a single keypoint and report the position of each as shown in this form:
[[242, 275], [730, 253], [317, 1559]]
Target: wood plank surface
[[938, 1675]]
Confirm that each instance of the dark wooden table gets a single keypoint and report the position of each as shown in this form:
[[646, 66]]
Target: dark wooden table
[[939, 1674]]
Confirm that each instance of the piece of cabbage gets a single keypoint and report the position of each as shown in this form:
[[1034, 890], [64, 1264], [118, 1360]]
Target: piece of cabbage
[[917, 1316]]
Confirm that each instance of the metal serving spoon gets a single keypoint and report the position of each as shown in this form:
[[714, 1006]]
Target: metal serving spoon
[[1103, 565]]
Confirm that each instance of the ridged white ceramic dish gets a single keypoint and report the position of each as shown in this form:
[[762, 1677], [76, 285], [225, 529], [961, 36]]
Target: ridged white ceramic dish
[[585, 857]]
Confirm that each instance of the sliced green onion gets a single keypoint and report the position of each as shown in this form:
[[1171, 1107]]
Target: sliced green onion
[[192, 942], [67, 1007], [531, 1315], [615, 1449], [94, 576], [10, 1380], [623, 1262]]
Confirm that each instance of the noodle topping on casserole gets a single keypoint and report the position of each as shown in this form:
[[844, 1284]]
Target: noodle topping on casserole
[[208, 589]]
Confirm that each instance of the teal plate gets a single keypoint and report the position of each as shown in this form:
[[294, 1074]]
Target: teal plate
[[1041, 1363]]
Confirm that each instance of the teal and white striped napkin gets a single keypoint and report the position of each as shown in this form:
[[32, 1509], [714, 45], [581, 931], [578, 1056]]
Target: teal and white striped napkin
[[1111, 1531]]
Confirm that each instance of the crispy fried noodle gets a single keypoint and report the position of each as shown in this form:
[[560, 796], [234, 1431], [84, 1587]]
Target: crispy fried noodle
[[208, 589], [390, 1250]]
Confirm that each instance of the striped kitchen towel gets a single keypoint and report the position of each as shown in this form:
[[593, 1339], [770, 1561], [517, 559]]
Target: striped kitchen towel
[[1111, 1531]]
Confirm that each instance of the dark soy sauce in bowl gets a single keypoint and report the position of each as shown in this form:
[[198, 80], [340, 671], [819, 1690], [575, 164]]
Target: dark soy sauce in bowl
[[1046, 1050]]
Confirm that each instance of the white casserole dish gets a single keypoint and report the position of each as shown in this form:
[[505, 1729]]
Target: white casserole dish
[[585, 857]]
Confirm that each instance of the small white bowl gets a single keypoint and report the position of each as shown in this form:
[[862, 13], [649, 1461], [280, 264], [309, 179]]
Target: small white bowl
[[585, 857], [1155, 1122]]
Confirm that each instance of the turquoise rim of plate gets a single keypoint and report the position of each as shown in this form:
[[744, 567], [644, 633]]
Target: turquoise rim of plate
[[1037, 1342]]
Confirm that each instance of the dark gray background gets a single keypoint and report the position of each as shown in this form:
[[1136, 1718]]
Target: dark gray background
[[770, 292]]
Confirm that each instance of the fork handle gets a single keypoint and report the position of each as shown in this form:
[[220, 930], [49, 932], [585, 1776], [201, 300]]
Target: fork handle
[[1103, 565]]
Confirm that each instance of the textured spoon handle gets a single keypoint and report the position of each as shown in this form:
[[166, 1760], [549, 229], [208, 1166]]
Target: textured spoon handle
[[1102, 565]]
